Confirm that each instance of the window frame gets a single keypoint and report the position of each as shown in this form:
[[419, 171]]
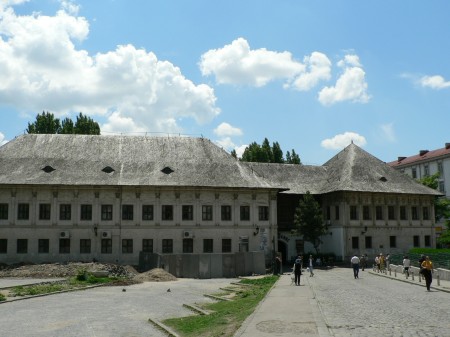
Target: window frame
[[65, 212], [263, 213], [147, 245], [4, 211], [23, 211], [226, 245], [187, 212], [207, 212], [188, 245], [167, 212], [128, 212], [86, 212], [85, 246], [225, 213], [127, 246], [45, 211], [208, 245], [244, 212], [43, 246], [64, 246], [106, 212], [148, 212], [167, 246]]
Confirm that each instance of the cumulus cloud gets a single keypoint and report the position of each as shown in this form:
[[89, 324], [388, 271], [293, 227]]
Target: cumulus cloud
[[2, 139], [41, 68], [340, 141], [388, 132], [240, 150], [350, 86], [318, 69], [225, 129], [434, 82]]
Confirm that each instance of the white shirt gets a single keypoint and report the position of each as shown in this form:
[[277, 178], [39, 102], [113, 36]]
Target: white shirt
[[355, 260], [406, 262]]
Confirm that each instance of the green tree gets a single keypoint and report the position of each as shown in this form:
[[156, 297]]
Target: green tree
[[45, 123], [308, 219], [293, 158], [67, 126], [277, 153], [268, 154], [86, 126], [233, 153]]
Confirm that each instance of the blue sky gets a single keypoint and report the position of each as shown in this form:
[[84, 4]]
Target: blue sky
[[311, 75]]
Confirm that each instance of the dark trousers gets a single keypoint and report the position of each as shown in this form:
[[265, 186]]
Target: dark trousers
[[428, 278], [355, 269], [297, 277]]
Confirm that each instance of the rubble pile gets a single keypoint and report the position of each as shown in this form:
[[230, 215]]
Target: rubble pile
[[155, 275]]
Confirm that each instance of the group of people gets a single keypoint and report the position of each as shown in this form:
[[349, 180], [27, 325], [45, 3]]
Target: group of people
[[382, 262], [298, 265]]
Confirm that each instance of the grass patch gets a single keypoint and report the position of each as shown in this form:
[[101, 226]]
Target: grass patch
[[2, 297], [228, 315]]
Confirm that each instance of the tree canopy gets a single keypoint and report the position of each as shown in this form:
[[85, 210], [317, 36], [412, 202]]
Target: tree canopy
[[266, 153], [46, 123]]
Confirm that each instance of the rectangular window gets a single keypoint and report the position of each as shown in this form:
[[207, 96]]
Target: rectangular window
[[187, 212], [106, 247], [85, 246], [366, 212], [414, 173], [368, 242], [243, 244], [328, 213], [414, 213], [353, 213], [441, 187], [147, 245], [147, 212], [207, 212], [391, 212], [207, 245], [127, 212], [393, 241], [23, 211], [127, 246], [355, 242], [3, 246], [65, 212], [167, 246], [107, 212], [64, 246], [336, 212], [426, 215], [167, 212], [379, 212], [440, 168], [3, 211], [263, 212], [44, 211], [427, 241], [188, 245], [43, 246], [403, 213], [245, 213], [427, 170], [416, 241], [22, 246], [225, 211], [226, 245], [86, 212]]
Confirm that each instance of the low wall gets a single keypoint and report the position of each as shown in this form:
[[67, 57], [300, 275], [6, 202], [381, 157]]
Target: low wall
[[444, 274]]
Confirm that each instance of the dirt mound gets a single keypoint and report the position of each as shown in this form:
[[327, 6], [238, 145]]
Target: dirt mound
[[155, 275]]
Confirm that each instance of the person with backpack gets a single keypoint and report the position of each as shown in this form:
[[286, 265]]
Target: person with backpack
[[297, 270]]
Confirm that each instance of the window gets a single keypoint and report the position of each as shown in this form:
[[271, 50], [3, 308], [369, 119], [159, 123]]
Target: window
[[403, 213], [245, 213], [226, 245], [207, 212], [328, 213], [65, 212], [167, 212], [147, 212], [207, 245], [366, 213], [44, 211], [187, 212], [391, 212], [392, 241], [379, 212], [243, 244], [86, 212], [23, 211], [336, 212], [167, 246], [225, 211], [3, 246], [416, 241], [355, 242], [414, 173], [43, 246], [147, 245], [353, 213], [3, 211], [263, 212], [368, 242], [127, 246], [64, 246], [106, 247], [85, 246], [426, 170], [427, 241], [22, 246], [414, 213], [107, 212], [127, 212], [441, 187], [440, 168], [188, 245], [425, 214]]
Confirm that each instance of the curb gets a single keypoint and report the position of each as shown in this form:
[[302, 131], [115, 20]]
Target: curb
[[163, 327]]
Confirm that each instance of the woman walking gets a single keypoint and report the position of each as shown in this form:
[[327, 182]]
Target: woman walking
[[427, 267]]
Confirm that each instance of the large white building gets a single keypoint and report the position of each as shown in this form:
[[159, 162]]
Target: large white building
[[109, 198]]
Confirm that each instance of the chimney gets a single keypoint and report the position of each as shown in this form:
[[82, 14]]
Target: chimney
[[422, 152], [447, 146], [399, 159]]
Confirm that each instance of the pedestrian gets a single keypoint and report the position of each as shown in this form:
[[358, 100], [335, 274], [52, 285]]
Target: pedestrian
[[422, 258], [406, 265], [310, 266], [427, 271], [363, 262], [355, 265], [382, 262], [377, 263], [277, 265], [388, 261], [297, 270]]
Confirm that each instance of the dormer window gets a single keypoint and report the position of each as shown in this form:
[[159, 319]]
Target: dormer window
[[383, 179], [167, 170], [48, 169], [108, 169]]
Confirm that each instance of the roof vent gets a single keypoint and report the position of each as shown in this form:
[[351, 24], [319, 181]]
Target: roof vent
[[447, 146], [383, 179], [401, 158], [422, 152], [108, 169], [48, 169], [167, 170]]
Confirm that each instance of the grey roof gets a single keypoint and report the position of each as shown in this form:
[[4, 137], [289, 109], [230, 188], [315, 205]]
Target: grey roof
[[136, 160]]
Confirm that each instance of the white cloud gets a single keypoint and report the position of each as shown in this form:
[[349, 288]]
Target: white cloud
[[240, 150], [41, 68], [340, 141], [70, 7], [388, 132], [434, 82], [318, 69], [350, 86], [2, 139], [225, 143], [225, 129]]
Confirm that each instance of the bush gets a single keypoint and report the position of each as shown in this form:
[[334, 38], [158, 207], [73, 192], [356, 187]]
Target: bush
[[2, 298]]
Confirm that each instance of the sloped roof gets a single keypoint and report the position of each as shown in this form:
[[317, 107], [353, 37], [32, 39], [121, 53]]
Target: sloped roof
[[423, 156], [136, 161]]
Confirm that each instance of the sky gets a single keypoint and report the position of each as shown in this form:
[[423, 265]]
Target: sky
[[311, 75]]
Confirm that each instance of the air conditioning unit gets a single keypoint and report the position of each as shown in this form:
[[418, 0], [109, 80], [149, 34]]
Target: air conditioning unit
[[105, 234], [64, 235], [188, 234]]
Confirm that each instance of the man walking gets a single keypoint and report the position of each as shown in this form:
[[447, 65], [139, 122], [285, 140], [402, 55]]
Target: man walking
[[355, 265], [297, 270]]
